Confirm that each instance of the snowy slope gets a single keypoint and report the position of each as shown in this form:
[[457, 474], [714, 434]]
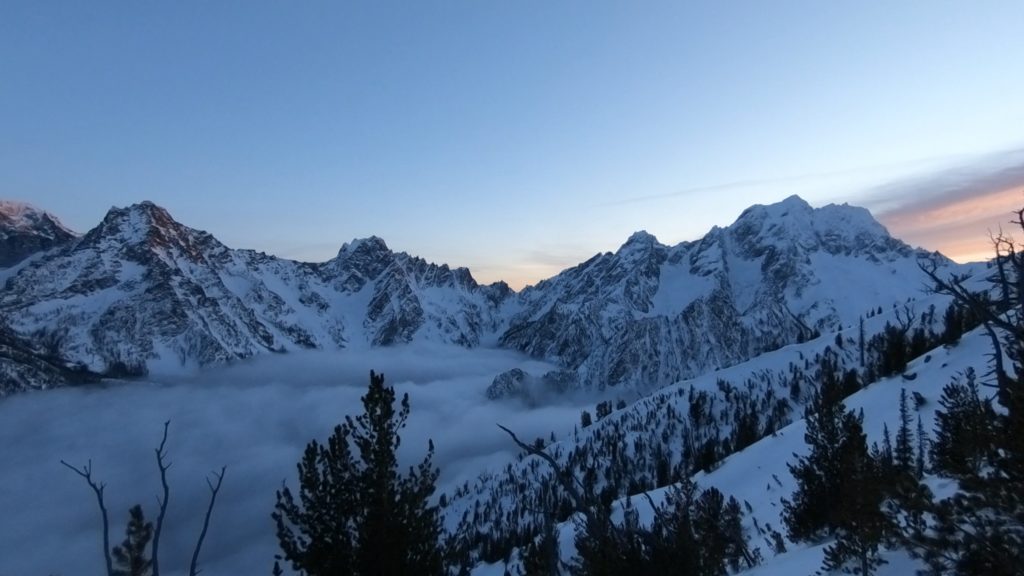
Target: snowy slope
[[689, 424], [759, 478]]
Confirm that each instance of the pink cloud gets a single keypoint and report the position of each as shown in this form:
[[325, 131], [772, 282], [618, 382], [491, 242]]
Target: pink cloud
[[961, 227], [955, 210]]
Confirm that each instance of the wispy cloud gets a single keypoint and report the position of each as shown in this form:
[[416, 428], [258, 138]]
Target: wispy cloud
[[953, 209], [787, 179]]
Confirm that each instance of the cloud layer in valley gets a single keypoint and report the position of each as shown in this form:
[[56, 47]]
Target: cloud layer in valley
[[255, 418]]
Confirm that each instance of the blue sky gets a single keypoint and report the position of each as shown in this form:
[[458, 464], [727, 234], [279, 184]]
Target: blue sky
[[515, 138]]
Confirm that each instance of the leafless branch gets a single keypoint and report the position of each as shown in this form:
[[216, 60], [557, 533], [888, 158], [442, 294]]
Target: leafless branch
[[566, 479], [86, 473], [214, 489], [161, 454], [1003, 314], [906, 319]]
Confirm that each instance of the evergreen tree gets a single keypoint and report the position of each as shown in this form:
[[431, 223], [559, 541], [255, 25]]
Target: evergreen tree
[[130, 557], [674, 547], [963, 429], [718, 531], [694, 534], [886, 462], [922, 449], [585, 419], [607, 549], [860, 523], [355, 514], [811, 514], [541, 557], [980, 529], [903, 456]]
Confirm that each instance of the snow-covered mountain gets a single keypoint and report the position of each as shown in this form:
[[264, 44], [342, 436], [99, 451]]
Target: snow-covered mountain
[[649, 314], [142, 292], [26, 230], [739, 327]]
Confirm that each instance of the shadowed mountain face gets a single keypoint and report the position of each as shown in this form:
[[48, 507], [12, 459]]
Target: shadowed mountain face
[[142, 292]]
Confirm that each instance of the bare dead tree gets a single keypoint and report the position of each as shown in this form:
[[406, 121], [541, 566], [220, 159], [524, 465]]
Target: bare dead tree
[[163, 465], [162, 502], [567, 479], [905, 319], [569, 483], [1003, 313], [86, 473], [214, 490]]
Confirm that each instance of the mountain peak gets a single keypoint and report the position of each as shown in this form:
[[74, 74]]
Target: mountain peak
[[639, 240], [794, 201], [133, 223], [26, 230], [370, 245], [24, 216], [834, 228], [145, 225], [793, 207]]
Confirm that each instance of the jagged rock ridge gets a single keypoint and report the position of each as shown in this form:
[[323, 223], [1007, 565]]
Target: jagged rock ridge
[[649, 314], [141, 292]]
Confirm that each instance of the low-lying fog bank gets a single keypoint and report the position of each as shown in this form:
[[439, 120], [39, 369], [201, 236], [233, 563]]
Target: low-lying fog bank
[[254, 417]]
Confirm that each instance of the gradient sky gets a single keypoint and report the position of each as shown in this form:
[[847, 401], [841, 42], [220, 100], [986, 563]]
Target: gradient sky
[[515, 138]]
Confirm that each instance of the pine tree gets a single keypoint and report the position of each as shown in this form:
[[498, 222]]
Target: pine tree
[[963, 429], [980, 530], [718, 531], [674, 547], [541, 557], [885, 457], [903, 456], [130, 557], [605, 548], [861, 525], [355, 514], [812, 514], [693, 534]]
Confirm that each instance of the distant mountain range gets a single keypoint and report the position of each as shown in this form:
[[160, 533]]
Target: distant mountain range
[[142, 293]]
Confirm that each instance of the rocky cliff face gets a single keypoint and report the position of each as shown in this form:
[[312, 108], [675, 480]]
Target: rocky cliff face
[[142, 292]]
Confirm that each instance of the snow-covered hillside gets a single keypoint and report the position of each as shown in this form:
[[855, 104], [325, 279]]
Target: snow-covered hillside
[[758, 476], [690, 425]]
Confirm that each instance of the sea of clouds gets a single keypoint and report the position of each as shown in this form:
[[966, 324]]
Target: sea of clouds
[[254, 417]]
